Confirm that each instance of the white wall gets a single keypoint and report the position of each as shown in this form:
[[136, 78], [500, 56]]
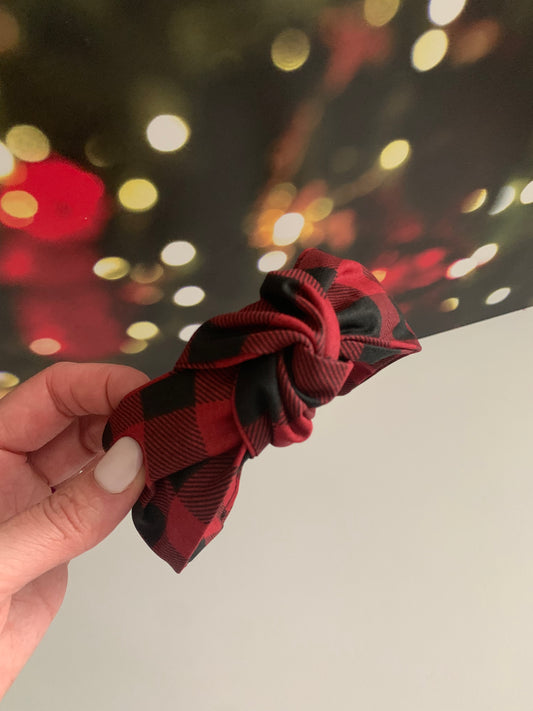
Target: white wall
[[386, 563]]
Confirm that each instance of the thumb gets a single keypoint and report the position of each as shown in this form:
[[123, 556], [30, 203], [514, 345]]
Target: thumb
[[74, 519]]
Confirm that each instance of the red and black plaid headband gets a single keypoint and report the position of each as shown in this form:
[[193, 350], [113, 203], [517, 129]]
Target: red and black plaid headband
[[248, 379]]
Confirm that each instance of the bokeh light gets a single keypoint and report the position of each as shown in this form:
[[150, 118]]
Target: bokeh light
[[474, 201], [429, 50], [379, 12], [142, 330], [138, 195], [290, 50], [484, 254], [504, 199], [178, 253], [189, 296], [497, 296], [8, 380], [111, 268], [461, 268], [19, 204], [9, 31], [526, 196], [28, 143], [146, 275], [187, 332], [45, 346], [132, 346], [442, 12], [7, 161], [167, 133], [288, 228], [396, 153], [319, 209], [449, 305], [272, 261]]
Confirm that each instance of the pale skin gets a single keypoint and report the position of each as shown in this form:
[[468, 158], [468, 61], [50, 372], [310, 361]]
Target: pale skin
[[51, 427]]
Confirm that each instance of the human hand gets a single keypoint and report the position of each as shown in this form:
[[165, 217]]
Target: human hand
[[51, 427]]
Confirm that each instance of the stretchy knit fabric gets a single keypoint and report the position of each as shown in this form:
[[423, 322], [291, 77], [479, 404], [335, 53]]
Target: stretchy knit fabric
[[249, 379]]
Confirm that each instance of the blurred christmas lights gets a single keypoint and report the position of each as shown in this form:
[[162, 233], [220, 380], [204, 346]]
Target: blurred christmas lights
[[474, 201], [271, 261], [7, 161], [167, 133], [178, 253], [504, 199], [8, 380], [28, 143], [138, 195], [497, 296], [142, 330], [394, 154], [378, 12], [187, 332], [442, 12], [45, 346], [288, 228], [189, 296], [290, 50], [111, 268], [429, 50]]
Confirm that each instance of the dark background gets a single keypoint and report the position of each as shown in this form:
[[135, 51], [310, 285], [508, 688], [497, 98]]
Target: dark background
[[91, 76]]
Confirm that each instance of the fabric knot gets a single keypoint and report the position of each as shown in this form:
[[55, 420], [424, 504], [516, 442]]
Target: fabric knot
[[247, 379]]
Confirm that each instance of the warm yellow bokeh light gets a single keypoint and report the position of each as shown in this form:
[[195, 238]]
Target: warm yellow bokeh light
[[442, 12], [461, 268], [379, 12], [178, 253], [498, 296], [111, 268], [138, 195], [187, 332], [290, 50], [133, 346], [271, 261], [8, 380], [142, 330], [484, 254], [167, 133], [504, 199], [319, 209], [146, 275], [45, 346], [28, 143], [288, 228], [526, 196], [281, 196], [189, 296], [7, 161], [393, 155], [449, 305], [429, 50], [19, 204], [474, 201]]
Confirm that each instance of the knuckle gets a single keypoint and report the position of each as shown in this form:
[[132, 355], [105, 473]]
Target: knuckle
[[68, 519]]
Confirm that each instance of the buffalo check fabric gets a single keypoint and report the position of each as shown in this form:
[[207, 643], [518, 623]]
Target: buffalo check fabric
[[248, 379]]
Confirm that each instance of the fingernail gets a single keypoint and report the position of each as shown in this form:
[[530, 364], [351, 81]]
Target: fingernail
[[119, 467]]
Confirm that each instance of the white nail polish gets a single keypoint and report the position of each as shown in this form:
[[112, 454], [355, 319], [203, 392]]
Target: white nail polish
[[119, 467]]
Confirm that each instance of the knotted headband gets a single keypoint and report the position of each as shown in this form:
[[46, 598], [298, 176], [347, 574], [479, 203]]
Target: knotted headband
[[248, 379]]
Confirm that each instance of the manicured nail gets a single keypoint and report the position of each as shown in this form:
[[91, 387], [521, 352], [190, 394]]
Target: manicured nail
[[119, 467]]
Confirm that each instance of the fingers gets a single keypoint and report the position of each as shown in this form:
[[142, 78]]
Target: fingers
[[71, 521], [72, 449], [43, 406]]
